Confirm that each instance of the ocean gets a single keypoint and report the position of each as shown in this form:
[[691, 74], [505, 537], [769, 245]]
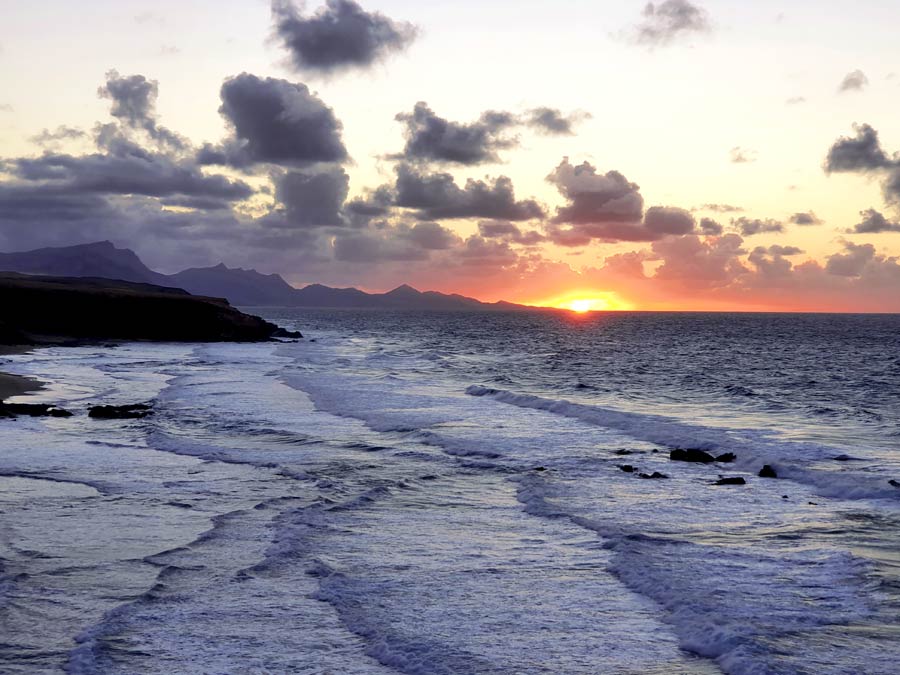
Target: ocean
[[443, 493]]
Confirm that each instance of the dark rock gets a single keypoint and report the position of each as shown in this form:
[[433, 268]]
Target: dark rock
[[120, 412], [60, 310], [284, 333], [540, 468], [627, 468], [691, 455], [623, 452], [768, 472], [652, 476], [895, 483], [727, 457], [846, 458], [733, 480], [31, 410]]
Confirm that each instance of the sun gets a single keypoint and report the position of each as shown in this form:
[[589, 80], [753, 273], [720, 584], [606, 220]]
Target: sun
[[582, 305]]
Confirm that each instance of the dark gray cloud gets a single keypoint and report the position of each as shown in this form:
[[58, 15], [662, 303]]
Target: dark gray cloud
[[134, 105], [595, 198], [751, 226], [852, 262], [861, 153], [431, 236], [275, 122], [854, 81], [134, 173], [772, 261], [312, 199], [665, 22], [437, 196], [874, 222], [864, 154], [430, 138], [710, 227], [378, 203], [503, 229], [805, 218], [372, 248], [608, 207], [339, 36], [553, 122]]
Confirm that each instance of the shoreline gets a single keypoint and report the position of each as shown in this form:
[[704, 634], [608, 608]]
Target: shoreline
[[16, 385]]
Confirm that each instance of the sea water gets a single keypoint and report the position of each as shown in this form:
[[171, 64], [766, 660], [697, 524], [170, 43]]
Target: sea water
[[443, 493]]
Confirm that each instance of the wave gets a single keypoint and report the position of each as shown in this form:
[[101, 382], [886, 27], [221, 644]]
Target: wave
[[753, 447]]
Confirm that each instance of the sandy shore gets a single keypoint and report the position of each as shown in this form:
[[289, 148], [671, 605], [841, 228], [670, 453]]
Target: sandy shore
[[14, 385]]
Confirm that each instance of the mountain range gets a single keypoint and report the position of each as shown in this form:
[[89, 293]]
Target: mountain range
[[247, 288]]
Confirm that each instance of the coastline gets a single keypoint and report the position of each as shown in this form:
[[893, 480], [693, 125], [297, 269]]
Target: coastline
[[16, 385]]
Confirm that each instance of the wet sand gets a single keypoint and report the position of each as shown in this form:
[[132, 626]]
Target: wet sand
[[15, 385]]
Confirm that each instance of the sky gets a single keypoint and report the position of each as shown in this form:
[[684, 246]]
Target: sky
[[708, 155]]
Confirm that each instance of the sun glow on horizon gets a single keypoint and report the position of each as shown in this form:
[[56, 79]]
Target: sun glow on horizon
[[582, 302]]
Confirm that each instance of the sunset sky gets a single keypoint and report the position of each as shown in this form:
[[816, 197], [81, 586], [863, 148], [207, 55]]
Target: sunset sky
[[716, 154]]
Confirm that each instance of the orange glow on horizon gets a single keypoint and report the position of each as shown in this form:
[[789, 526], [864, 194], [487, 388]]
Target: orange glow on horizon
[[582, 302]]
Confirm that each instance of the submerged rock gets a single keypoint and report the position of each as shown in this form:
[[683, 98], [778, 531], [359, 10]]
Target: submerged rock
[[895, 483], [732, 480], [652, 476], [135, 411], [627, 468], [727, 457], [31, 410], [691, 455], [768, 472]]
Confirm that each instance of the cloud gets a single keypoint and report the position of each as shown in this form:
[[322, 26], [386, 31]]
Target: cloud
[[339, 36], [437, 196], [62, 133], [6, 108], [874, 222], [608, 207], [552, 122], [772, 261], [372, 248], [503, 229], [694, 262], [863, 154], [721, 208], [668, 21], [805, 218], [852, 262], [431, 138], [134, 104], [312, 199], [431, 236], [595, 198], [751, 226], [795, 100], [710, 227], [854, 81], [739, 155], [136, 172], [858, 154], [275, 122]]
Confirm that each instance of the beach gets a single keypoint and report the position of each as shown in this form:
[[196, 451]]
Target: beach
[[15, 385]]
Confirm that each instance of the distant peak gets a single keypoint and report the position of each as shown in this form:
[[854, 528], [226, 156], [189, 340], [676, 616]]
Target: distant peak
[[404, 289], [220, 266]]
